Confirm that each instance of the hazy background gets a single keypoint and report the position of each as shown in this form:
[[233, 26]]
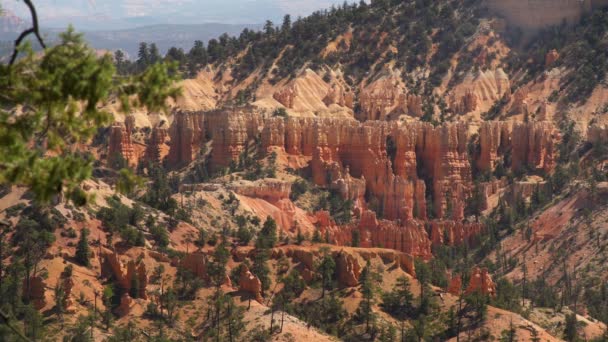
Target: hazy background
[[122, 24]]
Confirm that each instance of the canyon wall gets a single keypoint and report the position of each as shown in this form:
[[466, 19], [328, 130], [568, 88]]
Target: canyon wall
[[390, 165], [532, 145]]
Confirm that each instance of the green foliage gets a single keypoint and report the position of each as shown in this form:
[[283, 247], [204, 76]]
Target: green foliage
[[117, 217], [280, 112], [298, 188], [260, 268], [398, 302], [82, 249], [477, 303], [327, 314], [364, 313], [160, 235], [34, 326], [327, 268], [339, 209], [60, 94], [267, 237], [244, 234], [508, 296], [159, 192], [216, 269], [571, 328]]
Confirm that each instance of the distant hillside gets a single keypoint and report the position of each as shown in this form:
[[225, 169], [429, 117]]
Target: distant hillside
[[165, 36]]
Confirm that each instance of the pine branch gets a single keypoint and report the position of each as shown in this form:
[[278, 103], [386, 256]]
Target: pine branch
[[34, 29]]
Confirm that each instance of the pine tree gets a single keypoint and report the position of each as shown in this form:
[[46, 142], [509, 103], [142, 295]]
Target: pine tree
[[364, 312], [82, 249], [267, 237], [327, 268], [398, 302], [60, 300], [299, 237], [570, 328], [119, 61], [261, 270], [154, 55], [60, 91], [106, 297]]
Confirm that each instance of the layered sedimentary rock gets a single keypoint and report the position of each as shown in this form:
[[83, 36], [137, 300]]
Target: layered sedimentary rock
[[155, 145], [308, 92], [229, 129], [464, 104], [409, 237], [391, 167], [272, 190], [382, 97], [414, 105], [250, 283], [68, 285], [348, 269], [348, 261], [494, 140], [479, 91], [187, 137], [230, 132], [196, 263], [481, 281], [112, 267], [532, 145], [397, 162], [120, 142], [340, 95], [454, 232], [455, 285]]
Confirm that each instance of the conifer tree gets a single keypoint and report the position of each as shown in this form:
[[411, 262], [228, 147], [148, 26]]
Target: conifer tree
[[82, 249]]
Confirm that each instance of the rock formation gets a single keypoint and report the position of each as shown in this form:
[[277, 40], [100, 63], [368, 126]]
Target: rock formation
[[250, 283], [119, 143], [389, 166], [455, 285], [186, 137], [381, 97], [348, 269], [454, 232], [112, 267], [126, 303], [532, 145], [155, 145], [272, 190], [410, 237], [481, 280], [479, 91], [308, 92], [464, 104], [196, 263]]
